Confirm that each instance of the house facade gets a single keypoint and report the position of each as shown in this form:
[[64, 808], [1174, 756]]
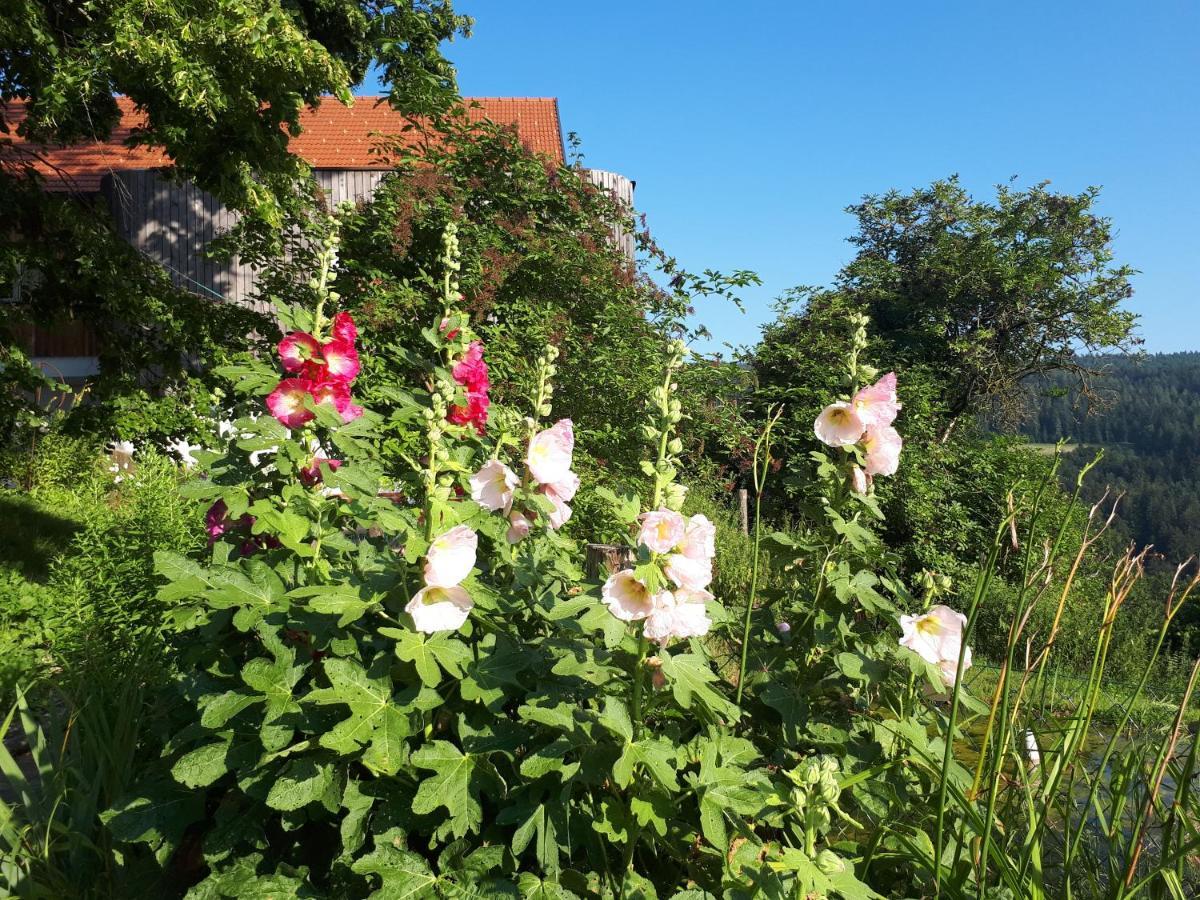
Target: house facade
[[173, 222]]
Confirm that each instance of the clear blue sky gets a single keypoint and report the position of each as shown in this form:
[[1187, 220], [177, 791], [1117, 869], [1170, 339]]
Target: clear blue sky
[[749, 127]]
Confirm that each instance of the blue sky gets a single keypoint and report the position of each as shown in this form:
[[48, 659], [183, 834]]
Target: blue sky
[[749, 127]]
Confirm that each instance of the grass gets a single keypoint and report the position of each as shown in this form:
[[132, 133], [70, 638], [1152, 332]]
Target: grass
[[33, 534]]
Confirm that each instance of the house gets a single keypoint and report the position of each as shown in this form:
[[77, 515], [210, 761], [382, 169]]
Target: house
[[172, 223]]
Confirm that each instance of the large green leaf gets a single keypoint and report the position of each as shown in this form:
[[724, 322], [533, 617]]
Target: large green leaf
[[376, 720]]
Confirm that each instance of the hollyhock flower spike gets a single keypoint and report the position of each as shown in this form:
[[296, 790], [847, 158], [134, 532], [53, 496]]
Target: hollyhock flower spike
[[936, 635], [877, 405], [678, 614], [692, 574], [839, 425], [550, 451], [451, 557], [298, 350], [662, 530], [343, 328], [436, 609], [699, 538], [492, 486], [626, 597], [286, 402], [883, 445], [341, 361]]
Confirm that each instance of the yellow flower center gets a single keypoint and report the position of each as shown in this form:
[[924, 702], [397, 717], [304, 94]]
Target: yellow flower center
[[929, 625]]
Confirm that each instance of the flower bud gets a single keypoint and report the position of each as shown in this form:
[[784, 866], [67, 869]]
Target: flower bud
[[675, 446]]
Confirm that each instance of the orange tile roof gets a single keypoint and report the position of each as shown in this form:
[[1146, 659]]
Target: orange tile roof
[[333, 136]]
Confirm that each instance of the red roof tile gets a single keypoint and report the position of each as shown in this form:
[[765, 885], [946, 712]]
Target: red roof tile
[[333, 136]]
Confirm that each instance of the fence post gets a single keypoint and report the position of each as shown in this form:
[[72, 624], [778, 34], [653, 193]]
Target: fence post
[[744, 509]]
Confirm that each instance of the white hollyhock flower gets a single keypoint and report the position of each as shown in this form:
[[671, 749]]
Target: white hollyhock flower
[[549, 454], [439, 608], [518, 527], [678, 614], [626, 597], [936, 635], [686, 572], [662, 530], [699, 538], [492, 486], [451, 557], [839, 425]]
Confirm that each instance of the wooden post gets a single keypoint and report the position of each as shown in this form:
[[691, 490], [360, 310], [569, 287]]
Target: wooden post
[[744, 509], [604, 559]]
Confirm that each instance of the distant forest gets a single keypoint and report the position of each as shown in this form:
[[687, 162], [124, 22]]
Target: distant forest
[[1147, 420]]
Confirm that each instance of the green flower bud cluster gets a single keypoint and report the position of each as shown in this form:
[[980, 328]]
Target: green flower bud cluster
[[934, 585], [859, 373], [544, 391], [665, 413], [816, 792]]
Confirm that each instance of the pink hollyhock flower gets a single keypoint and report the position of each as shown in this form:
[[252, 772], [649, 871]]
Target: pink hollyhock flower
[[451, 557], [343, 328], [860, 481], [436, 609], [337, 395], [474, 413], [297, 350], [341, 360], [626, 597], [877, 405], [492, 486], [550, 450], [218, 523], [662, 530], [311, 475], [839, 425], [693, 574], [949, 667], [450, 333], [561, 514], [518, 527], [699, 538], [471, 371], [936, 635], [678, 614], [883, 445], [565, 488], [287, 401]]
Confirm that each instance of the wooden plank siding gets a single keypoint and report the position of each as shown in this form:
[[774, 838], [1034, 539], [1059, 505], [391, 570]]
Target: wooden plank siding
[[621, 189], [173, 222]]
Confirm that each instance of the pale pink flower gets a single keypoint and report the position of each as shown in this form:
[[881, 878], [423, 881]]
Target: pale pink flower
[[492, 486], [934, 636], [949, 667], [686, 572], [662, 530], [859, 480], [518, 527], [883, 445], [678, 614], [565, 488], [561, 514], [699, 538], [439, 608], [877, 405], [451, 557], [626, 597], [549, 455], [838, 425]]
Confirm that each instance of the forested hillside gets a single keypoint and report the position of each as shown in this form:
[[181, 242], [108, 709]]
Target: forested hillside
[[1147, 418]]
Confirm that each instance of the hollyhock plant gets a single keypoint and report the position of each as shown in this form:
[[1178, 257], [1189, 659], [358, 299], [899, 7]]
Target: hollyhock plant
[[678, 614], [662, 530], [839, 425], [936, 636], [471, 372], [877, 404], [493, 485], [451, 557], [550, 452], [699, 538], [627, 598], [882, 445], [298, 350], [435, 609], [287, 401]]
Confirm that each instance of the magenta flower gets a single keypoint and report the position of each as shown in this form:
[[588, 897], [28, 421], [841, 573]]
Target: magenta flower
[[341, 360], [310, 475], [297, 350], [287, 401], [343, 328], [337, 395]]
